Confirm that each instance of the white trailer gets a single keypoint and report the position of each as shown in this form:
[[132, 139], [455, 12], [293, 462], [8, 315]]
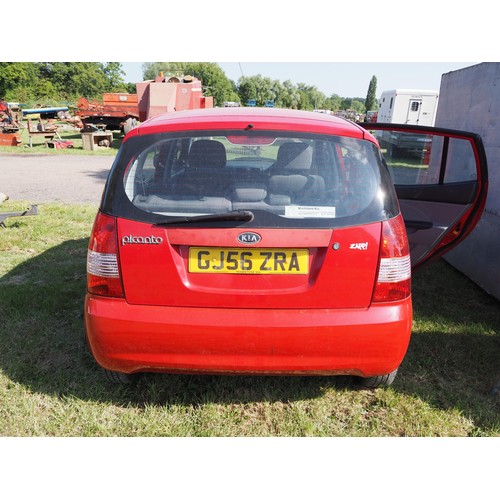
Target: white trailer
[[414, 107]]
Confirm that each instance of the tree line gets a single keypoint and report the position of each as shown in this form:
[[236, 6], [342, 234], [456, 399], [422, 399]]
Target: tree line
[[59, 81], [35, 82]]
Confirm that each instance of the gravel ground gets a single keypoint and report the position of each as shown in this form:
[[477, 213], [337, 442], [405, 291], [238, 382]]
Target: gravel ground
[[62, 178]]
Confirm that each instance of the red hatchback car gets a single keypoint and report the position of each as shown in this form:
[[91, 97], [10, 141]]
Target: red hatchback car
[[271, 241]]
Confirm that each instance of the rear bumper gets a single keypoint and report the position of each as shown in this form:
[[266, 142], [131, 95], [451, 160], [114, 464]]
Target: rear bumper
[[130, 338]]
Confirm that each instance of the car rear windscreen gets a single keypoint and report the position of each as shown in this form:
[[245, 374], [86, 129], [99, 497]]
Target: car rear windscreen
[[284, 180]]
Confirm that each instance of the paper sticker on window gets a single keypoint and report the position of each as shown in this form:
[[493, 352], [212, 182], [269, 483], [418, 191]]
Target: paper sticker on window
[[296, 211]]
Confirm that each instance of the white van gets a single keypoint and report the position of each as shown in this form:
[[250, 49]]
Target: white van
[[412, 107]]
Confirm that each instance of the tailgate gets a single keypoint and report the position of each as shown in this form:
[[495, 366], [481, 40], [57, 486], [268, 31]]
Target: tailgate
[[286, 268]]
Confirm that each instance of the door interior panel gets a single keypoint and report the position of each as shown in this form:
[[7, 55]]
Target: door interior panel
[[459, 192], [426, 224]]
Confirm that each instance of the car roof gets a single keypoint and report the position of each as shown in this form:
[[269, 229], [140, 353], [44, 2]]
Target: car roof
[[254, 118]]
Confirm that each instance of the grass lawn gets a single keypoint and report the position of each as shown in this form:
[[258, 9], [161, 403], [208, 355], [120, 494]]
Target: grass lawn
[[50, 385]]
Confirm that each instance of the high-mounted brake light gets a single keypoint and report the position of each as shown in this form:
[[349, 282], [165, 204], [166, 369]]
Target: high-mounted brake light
[[103, 267], [394, 273]]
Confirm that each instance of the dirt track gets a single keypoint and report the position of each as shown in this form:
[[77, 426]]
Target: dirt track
[[46, 178]]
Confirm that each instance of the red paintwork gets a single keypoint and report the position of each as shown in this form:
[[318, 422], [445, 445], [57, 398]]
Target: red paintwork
[[13, 139], [174, 321], [366, 341], [321, 323], [342, 278], [119, 105], [259, 118]]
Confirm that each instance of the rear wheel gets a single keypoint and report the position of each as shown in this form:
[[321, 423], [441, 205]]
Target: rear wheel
[[379, 381], [120, 378]]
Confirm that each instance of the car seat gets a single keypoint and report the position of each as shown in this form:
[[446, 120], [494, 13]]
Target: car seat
[[203, 175], [290, 177]]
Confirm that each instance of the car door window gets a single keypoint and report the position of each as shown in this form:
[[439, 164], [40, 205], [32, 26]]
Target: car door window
[[461, 156], [440, 176], [423, 159]]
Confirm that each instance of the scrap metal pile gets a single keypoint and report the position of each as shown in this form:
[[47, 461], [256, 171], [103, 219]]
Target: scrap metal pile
[[9, 126]]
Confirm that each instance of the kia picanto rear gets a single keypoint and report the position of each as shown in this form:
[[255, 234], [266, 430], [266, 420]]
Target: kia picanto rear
[[249, 241]]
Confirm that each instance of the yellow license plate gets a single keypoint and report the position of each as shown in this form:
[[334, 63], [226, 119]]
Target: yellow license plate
[[248, 261]]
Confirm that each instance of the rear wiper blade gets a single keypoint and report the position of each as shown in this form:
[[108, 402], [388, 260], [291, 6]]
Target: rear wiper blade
[[236, 215]]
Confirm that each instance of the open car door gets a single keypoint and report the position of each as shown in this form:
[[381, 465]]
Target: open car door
[[441, 179]]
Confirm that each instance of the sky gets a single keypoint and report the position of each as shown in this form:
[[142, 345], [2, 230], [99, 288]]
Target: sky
[[346, 79], [336, 47]]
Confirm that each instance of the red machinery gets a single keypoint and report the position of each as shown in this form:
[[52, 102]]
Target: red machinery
[[9, 128], [121, 111]]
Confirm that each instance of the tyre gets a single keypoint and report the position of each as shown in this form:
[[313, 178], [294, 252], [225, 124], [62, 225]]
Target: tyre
[[120, 378], [379, 381]]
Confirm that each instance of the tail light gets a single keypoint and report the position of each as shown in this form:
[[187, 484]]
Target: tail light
[[394, 273], [103, 267]]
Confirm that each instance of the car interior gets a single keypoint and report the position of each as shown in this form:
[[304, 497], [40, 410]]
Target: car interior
[[211, 175]]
